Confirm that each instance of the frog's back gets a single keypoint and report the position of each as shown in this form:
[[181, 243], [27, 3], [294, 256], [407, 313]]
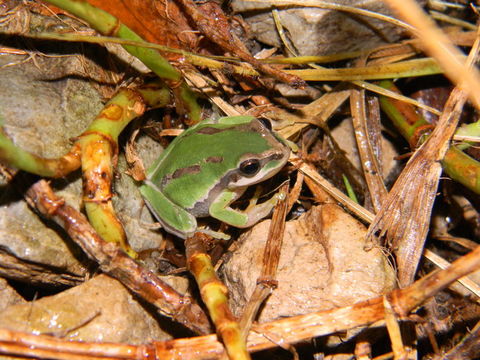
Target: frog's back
[[197, 160]]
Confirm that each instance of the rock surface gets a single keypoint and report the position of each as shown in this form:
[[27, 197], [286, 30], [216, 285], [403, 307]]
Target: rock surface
[[315, 31], [323, 265], [46, 100], [41, 116], [99, 310], [345, 137], [8, 295]]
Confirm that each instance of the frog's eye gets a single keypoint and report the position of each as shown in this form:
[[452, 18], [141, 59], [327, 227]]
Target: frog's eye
[[250, 167], [266, 123]]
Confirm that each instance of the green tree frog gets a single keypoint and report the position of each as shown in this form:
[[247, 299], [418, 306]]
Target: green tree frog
[[208, 167]]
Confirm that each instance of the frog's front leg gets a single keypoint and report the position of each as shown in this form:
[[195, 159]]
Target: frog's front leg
[[172, 217], [221, 210]]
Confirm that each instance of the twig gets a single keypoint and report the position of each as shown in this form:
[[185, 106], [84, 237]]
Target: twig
[[290, 330], [113, 261]]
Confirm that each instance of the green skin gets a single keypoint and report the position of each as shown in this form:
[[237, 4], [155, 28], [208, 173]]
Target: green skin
[[208, 167]]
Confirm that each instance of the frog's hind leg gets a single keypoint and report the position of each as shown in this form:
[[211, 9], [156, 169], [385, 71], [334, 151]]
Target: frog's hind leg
[[172, 217]]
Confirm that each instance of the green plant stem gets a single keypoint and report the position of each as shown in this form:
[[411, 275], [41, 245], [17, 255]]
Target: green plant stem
[[107, 24], [404, 116], [214, 295], [21, 159], [462, 168], [96, 150], [99, 151], [456, 164]]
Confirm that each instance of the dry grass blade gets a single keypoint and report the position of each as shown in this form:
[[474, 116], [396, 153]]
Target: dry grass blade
[[197, 81], [339, 7], [354, 207], [408, 68], [391, 94], [394, 332], [50, 347], [316, 113], [440, 47], [229, 42], [405, 216], [271, 254], [369, 160], [294, 193], [451, 20], [467, 282]]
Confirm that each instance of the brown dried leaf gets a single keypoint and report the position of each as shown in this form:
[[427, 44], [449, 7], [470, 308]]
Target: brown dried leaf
[[365, 143], [159, 22], [404, 218], [135, 164]]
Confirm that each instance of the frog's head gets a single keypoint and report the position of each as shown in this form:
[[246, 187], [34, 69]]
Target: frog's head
[[269, 158]]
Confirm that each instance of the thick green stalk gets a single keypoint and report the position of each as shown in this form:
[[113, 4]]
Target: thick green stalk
[[215, 296], [462, 168], [21, 159], [96, 151], [99, 149], [456, 164], [107, 24], [403, 115]]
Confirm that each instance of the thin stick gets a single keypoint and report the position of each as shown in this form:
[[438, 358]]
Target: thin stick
[[271, 256], [290, 330], [113, 261]]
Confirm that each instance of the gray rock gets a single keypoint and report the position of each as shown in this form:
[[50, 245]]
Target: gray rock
[[315, 31], [99, 310], [41, 116], [8, 295], [323, 265], [137, 220]]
